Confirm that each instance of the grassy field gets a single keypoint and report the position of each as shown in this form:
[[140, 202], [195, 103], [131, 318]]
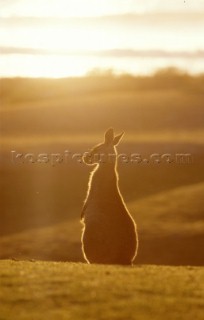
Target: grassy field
[[50, 290]]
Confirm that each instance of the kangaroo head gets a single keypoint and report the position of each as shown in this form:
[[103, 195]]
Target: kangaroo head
[[105, 151]]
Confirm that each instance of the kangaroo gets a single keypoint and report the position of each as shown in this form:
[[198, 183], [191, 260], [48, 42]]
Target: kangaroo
[[109, 235]]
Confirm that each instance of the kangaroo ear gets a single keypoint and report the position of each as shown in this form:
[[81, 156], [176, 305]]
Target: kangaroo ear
[[117, 139], [109, 135]]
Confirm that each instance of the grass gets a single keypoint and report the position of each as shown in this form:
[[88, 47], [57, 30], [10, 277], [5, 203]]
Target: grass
[[51, 290]]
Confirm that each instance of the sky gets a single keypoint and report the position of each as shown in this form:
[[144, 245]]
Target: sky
[[94, 7], [46, 37]]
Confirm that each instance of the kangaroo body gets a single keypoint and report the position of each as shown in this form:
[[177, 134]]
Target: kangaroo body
[[109, 235]]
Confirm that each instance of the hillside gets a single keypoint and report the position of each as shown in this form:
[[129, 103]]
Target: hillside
[[170, 226]]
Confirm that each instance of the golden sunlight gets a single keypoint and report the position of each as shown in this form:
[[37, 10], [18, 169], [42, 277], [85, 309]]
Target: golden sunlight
[[47, 66], [101, 135], [62, 8], [70, 38]]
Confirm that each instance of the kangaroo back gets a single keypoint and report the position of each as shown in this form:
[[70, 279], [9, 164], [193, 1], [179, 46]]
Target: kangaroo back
[[109, 234]]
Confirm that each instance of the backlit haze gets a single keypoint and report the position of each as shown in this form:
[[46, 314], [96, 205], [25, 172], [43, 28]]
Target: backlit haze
[[60, 38]]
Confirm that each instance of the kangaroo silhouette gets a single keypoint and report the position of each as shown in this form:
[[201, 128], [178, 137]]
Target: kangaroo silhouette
[[109, 235]]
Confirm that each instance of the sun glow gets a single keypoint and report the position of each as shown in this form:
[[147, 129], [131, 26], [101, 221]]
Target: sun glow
[[59, 38], [67, 8], [88, 8], [51, 66]]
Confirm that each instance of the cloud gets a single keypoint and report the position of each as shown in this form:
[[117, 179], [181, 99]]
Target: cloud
[[114, 53], [162, 18], [152, 53], [19, 50]]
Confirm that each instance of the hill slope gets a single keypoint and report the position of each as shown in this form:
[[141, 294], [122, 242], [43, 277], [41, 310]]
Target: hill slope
[[170, 226]]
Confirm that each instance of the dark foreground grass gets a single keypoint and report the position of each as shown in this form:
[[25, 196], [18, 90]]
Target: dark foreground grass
[[50, 290]]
